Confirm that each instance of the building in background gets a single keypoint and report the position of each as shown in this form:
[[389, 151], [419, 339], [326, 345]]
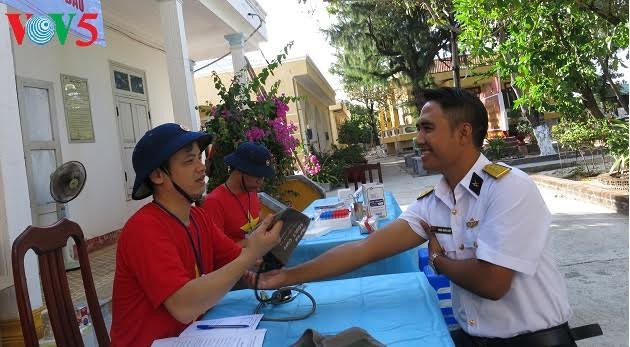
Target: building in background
[[397, 121], [301, 78], [142, 78], [495, 94], [339, 114]]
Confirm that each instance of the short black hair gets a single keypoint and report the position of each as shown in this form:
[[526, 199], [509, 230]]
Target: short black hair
[[461, 106]]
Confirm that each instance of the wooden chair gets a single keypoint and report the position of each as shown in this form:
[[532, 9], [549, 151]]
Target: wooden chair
[[356, 174], [48, 243]]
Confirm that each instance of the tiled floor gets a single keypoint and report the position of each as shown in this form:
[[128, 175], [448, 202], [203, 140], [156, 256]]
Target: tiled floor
[[103, 265]]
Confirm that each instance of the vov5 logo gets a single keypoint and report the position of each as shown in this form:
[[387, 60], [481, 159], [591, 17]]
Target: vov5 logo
[[41, 29]]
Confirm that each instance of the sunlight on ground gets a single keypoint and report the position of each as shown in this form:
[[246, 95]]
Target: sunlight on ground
[[558, 204]]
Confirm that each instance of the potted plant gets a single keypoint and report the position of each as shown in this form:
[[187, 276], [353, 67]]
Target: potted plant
[[313, 170], [332, 163]]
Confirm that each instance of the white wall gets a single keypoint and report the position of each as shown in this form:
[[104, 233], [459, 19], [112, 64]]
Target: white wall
[[15, 214], [102, 207]]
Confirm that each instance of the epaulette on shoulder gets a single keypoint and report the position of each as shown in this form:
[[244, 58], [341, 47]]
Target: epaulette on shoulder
[[496, 170], [425, 193]]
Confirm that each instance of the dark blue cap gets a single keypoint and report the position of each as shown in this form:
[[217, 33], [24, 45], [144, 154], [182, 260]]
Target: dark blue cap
[[155, 148], [251, 158]]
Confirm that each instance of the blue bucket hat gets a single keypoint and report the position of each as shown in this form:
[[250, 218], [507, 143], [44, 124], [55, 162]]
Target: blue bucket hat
[[156, 147], [251, 158]]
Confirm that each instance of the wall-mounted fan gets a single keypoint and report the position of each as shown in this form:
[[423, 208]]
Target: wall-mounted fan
[[65, 184], [67, 181]]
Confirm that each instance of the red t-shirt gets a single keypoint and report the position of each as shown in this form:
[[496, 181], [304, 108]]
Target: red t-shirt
[[154, 258], [236, 215]]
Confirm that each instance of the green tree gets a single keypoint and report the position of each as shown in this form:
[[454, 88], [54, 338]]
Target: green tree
[[551, 50], [369, 94], [377, 40], [442, 16], [353, 132], [366, 120], [588, 132]]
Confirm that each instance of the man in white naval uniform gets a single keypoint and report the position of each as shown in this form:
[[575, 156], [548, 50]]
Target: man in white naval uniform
[[488, 232]]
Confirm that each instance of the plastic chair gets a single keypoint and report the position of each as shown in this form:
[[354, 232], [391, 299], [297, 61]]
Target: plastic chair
[[423, 257], [356, 174], [48, 243], [442, 287]]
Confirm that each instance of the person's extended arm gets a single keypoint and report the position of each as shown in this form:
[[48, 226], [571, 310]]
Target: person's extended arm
[[485, 279], [200, 294], [392, 239]]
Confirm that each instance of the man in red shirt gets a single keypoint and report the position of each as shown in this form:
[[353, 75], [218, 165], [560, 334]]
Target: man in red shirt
[[234, 205], [172, 262]]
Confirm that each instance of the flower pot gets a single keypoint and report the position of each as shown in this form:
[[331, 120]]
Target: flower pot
[[326, 186]]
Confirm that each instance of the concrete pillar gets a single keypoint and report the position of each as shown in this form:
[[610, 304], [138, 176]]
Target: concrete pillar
[[15, 209], [387, 117], [394, 113], [236, 41], [503, 113], [179, 69], [381, 118], [303, 123], [191, 64]]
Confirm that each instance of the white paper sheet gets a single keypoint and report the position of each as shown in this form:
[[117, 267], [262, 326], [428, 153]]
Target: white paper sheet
[[250, 320], [217, 338], [315, 231]]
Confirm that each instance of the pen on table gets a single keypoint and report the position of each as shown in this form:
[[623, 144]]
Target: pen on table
[[221, 326]]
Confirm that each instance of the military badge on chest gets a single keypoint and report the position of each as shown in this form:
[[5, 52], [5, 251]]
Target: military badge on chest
[[472, 223]]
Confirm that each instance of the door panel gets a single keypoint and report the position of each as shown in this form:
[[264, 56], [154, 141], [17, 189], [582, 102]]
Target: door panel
[[41, 146], [141, 120], [42, 160], [133, 122], [125, 121], [38, 123]]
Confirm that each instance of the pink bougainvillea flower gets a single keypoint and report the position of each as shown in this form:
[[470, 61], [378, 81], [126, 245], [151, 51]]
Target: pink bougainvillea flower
[[281, 107], [312, 165], [282, 132], [254, 134]]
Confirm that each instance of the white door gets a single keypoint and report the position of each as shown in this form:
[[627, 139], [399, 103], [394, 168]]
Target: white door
[[42, 150], [134, 120]]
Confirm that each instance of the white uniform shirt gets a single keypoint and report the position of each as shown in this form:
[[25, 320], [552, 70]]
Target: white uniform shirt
[[512, 231]]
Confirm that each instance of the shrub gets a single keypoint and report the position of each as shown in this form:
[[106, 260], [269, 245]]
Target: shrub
[[241, 117], [332, 163], [495, 148]]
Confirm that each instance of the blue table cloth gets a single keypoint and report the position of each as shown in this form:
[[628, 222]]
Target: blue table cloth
[[397, 310], [311, 248]]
